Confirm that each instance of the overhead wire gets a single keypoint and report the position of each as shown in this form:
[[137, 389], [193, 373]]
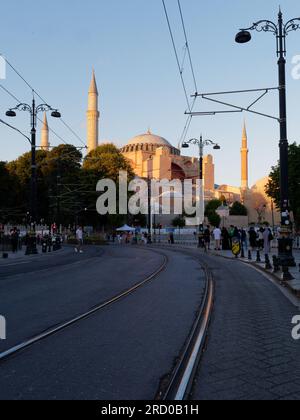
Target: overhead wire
[[35, 92], [187, 51], [176, 55], [187, 45], [19, 101]]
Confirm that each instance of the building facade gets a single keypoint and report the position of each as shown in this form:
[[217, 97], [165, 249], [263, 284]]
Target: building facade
[[152, 156]]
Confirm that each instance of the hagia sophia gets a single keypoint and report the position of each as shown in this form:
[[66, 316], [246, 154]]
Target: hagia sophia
[[153, 156]]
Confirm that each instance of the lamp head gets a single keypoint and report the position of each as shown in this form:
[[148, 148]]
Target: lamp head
[[11, 113], [185, 146], [56, 114], [217, 147], [243, 37]]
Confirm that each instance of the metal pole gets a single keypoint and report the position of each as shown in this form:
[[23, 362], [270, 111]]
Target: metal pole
[[201, 198], [285, 243], [149, 208], [273, 216], [33, 191], [284, 146]]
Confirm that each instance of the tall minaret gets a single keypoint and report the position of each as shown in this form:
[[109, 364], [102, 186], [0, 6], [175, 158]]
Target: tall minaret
[[93, 116], [244, 160], [45, 145]]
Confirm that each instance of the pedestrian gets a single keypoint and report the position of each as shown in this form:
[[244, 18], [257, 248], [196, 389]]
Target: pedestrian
[[145, 239], [79, 238], [244, 239], [268, 238], [225, 240], [14, 237], [231, 235], [207, 236], [217, 233], [297, 239], [253, 238], [237, 234], [172, 239], [261, 238]]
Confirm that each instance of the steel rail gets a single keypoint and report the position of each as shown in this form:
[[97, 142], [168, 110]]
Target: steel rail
[[182, 378], [58, 328]]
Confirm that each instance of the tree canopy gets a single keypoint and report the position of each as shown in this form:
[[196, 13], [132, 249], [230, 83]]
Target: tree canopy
[[211, 212], [66, 188], [238, 209], [273, 187]]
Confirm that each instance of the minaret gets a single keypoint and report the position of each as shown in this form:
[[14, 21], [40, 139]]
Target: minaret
[[93, 116], [244, 160], [45, 145]]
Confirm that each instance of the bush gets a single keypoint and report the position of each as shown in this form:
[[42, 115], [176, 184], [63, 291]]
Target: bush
[[238, 209]]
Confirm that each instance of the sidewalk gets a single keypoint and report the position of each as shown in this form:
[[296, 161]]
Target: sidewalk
[[293, 285], [20, 257]]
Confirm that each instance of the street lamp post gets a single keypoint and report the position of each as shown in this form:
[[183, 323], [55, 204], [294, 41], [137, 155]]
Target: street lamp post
[[280, 30], [201, 144], [33, 110]]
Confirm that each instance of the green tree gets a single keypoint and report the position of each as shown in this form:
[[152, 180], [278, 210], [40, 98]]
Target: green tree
[[20, 169], [105, 162], [62, 173], [9, 187], [212, 206], [211, 212], [238, 209], [214, 219], [273, 187]]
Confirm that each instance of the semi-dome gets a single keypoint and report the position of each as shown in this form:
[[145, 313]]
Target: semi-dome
[[149, 143]]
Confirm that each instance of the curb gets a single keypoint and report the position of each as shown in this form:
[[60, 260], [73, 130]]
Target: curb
[[263, 270]]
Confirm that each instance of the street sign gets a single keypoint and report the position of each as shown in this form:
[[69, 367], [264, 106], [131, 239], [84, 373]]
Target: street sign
[[236, 247]]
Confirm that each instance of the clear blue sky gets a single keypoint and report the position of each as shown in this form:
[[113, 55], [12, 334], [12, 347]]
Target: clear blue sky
[[56, 44]]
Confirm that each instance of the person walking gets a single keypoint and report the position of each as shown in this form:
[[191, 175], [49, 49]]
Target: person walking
[[14, 237], [225, 240], [261, 238], [244, 239], [217, 233], [207, 237], [268, 238], [297, 239], [231, 235], [237, 234], [253, 238], [79, 238]]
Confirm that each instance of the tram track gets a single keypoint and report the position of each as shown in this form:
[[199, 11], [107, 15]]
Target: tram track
[[95, 309], [179, 383]]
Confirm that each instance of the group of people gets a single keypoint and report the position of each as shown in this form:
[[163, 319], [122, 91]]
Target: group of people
[[260, 239], [133, 238]]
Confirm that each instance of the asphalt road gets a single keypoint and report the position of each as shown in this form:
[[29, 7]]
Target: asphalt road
[[119, 353], [54, 289]]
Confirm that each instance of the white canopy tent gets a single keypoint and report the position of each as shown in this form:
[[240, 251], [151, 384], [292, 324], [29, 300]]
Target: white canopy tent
[[126, 228]]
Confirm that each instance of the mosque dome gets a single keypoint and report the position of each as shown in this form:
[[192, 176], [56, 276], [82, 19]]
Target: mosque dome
[[149, 143]]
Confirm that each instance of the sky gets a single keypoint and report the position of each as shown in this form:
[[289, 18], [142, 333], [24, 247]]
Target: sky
[[56, 44]]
